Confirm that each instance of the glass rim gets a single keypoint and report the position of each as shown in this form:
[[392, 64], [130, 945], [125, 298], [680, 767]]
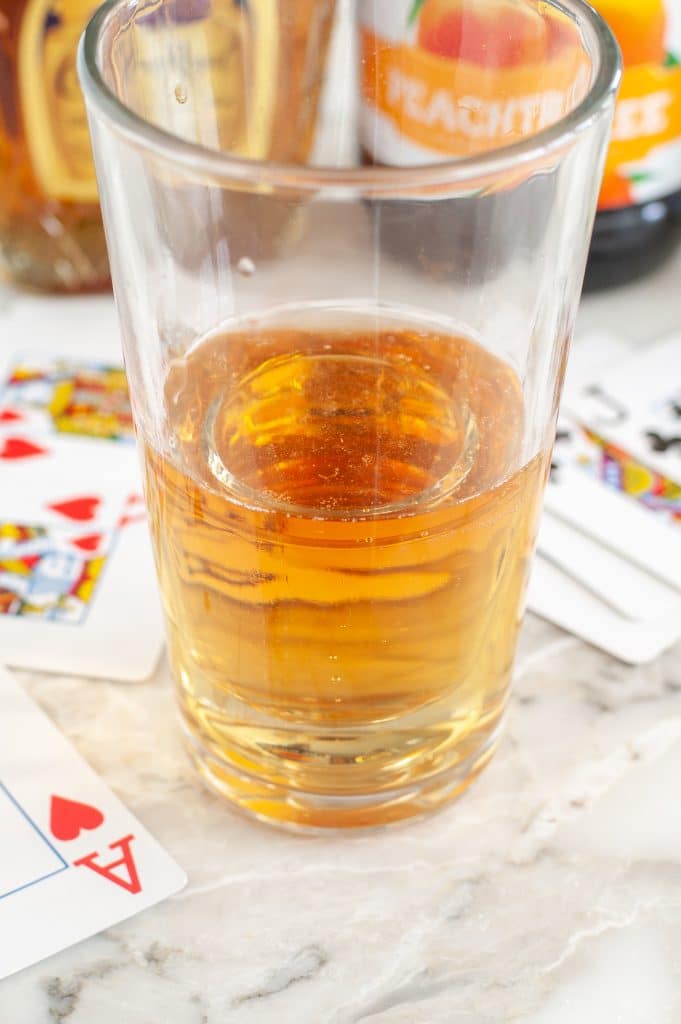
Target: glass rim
[[221, 165]]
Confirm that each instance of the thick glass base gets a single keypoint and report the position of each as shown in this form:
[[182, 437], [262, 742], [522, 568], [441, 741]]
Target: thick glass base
[[297, 809]]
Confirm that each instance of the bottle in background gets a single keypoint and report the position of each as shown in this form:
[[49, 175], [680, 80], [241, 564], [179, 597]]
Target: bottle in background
[[51, 235], [443, 79], [639, 218], [454, 78]]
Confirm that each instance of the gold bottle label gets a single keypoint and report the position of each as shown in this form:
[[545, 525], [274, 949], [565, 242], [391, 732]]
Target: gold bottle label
[[210, 77], [245, 104], [55, 123]]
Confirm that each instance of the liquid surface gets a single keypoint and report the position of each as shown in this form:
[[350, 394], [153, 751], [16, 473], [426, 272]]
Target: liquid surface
[[342, 528]]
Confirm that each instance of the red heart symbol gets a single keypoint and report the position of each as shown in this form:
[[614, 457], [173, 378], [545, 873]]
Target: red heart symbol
[[77, 508], [10, 416], [68, 818], [89, 543], [18, 448]]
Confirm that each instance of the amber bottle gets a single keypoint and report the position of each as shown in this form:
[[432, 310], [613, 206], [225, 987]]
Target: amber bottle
[[51, 235]]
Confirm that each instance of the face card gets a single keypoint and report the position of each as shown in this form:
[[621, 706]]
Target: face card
[[608, 567], [578, 496], [635, 407], [620, 471], [77, 583], [74, 860], [591, 362], [92, 613], [67, 396], [49, 574], [65, 482]]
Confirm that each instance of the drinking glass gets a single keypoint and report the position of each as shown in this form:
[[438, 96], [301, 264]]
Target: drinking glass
[[346, 296]]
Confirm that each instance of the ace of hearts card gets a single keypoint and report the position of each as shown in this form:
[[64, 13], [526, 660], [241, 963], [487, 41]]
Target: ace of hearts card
[[74, 860]]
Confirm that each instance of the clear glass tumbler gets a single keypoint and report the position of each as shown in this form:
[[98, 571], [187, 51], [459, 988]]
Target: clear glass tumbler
[[344, 374]]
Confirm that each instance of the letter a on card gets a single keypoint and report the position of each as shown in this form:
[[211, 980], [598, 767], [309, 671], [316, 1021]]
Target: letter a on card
[[127, 879]]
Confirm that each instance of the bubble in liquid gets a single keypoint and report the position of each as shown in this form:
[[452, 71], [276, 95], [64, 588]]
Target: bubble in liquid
[[180, 94], [246, 267]]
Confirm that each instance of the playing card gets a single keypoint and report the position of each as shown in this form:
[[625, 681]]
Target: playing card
[[591, 362], [77, 583], [590, 355], [565, 602], [608, 568], [74, 859], [578, 496], [624, 588], [43, 391], [66, 481], [93, 613], [635, 407]]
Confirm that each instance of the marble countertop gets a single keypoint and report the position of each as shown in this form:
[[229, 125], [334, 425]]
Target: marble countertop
[[550, 894]]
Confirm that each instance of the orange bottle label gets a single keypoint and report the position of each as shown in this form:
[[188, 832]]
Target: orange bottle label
[[446, 78], [644, 160]]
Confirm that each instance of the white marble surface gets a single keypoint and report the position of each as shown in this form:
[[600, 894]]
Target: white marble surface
[[550, 894]]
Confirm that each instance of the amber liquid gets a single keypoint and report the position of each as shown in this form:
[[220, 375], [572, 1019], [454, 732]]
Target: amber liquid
[[342, 525]]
